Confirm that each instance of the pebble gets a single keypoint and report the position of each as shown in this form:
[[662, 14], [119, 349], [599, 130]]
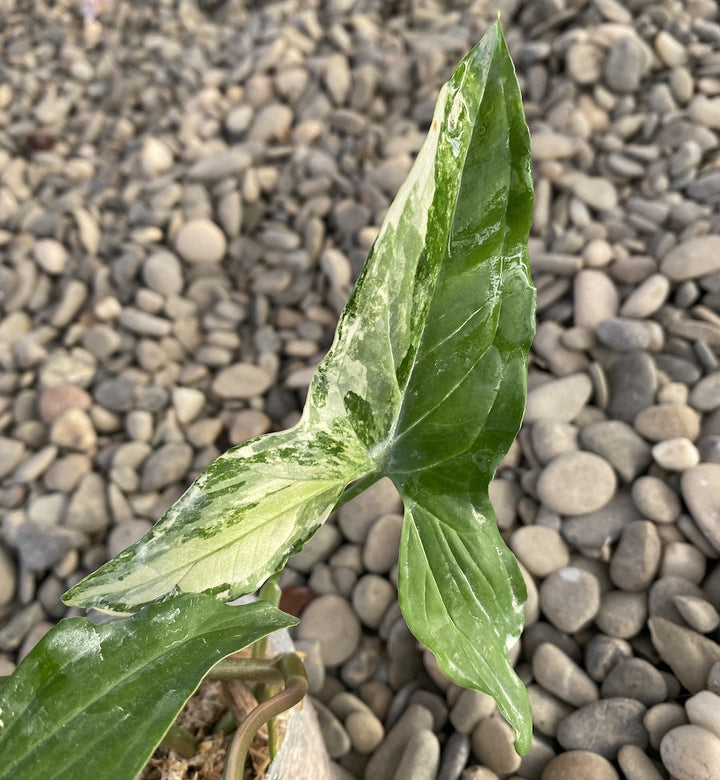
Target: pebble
[[540, 549], [576, 483], [166, 465], [689, 654], [604, 727], [162, 271], [637, 556], [455, 756], [701, 492], [74, 430], [570, 598], [125, 534], [595, 298], [691, 753], [493, 743], [241, 380], [469, 709], [668, 421], [619, 445], [622, 614], [602, 653], [660, 718], [633, 381], [647, 298], [703, 709], [420, 758], [699, 614], [678, 454], [595, 530], [200, 241], [635, 678], [559, 675], [574, 764], [12, 454], [656, 499], [560, 399], [365, 731], [8, 574], [382, 544], [330, 621], [40, 546], [636, 765], [625, 64], [692, 259], [50, 255], [384, 763], [371, 598]]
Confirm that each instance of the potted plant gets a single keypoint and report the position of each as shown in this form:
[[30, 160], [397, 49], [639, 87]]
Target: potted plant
[[425, 383]]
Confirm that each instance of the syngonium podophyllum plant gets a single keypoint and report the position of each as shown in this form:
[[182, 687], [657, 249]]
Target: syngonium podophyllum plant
[[425, 383]]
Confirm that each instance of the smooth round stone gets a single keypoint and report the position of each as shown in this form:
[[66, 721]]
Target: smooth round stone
[[596, 192], [647, 298], [124, 534], [200, 241], [701, 490], [689, 654], [596, 529], [604, 727], [551, 438], [359, 515], [493, 743], [636, 765], [382, 545], [633, 381], [623, 335], [385, 760], [421, 756], [335, 736], [576, 483], [636, 678], [455, 756], [55, 400], [692, 258], [74, 430], [659, 719], [622, 614], [331, 621], [691, 753], [50, 255], [602, 653], [168, 464], [676, 454], [656, 499], [547, 710], [616, 442], [469, 709], [156, 157], [595, 298], [163, 273], [561, 676], [703, 709], [576, 764], [667, 421], [540, 549], [699, 614], [559, 399], [662, 593], [241, 380], [705, 395], [636, 558], [570, 598], [371, 598], [365, 730], [682, 559]]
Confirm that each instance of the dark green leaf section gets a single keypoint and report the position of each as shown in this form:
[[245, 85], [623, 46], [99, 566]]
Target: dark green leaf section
[[92, 702]]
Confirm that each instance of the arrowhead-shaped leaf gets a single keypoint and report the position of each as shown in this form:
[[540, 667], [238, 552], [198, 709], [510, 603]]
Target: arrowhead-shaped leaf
[[92, 702], [425, 383]]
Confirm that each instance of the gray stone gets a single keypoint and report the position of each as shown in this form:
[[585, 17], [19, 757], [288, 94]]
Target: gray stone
[[622, 614], [168, 464], [689, 654], [602, 653], [455, 756], [20, 625], [233, 162], [469, 709], [493, 744], [336, 738], [617, 443], [623, 335], [701, 492], [371, 598], [420, 758], [74, 430], [570, 598], [162, 272], [576, 483], [40, 546], [384, 763], [560, 399], [690, 752], [330, 621], [241, 380], [646, 299], [382, 545], [12, 453], [633, 381], [541, 549], [559, 675], [693, 258], [625, 64], [595, 298], [365, 730], [88, 508], [637, 679], [656, 499], [637, 556], [8, 577], [200, 241], [596, 529], [577, 764], [604, 727], [126, 533]]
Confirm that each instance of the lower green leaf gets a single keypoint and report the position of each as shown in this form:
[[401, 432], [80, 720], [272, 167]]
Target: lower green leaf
[[94, 701], [461, 592]]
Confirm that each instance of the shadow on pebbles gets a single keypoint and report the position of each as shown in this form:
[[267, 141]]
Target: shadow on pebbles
[[186, 194]]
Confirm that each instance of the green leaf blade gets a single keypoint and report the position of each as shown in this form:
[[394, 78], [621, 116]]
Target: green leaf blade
[[94, 701], [236, 524]]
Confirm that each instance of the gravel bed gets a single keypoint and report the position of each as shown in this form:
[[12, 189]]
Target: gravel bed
[[187, 191]]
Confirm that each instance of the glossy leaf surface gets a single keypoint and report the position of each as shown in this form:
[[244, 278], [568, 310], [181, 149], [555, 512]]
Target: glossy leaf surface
[[425, 383], [92, 702]]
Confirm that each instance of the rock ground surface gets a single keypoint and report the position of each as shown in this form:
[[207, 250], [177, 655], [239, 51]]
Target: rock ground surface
[[187, 190]]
